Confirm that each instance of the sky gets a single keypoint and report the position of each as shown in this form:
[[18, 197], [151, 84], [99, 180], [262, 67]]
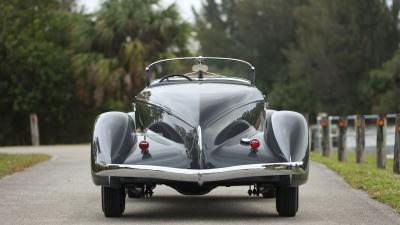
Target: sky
[[184, 6]]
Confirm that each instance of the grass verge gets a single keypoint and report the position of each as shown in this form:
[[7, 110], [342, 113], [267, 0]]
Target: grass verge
[[11, 163], [381, 184]]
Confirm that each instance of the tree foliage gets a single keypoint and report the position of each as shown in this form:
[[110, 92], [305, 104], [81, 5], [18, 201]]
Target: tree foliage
[[113, 50], [311, 55], [337, 44], [68, 66], [384, 86], [255, 30], [338, 56], [34, 66]]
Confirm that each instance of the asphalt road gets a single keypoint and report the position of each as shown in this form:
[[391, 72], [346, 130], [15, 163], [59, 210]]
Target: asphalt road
[[60, 191]]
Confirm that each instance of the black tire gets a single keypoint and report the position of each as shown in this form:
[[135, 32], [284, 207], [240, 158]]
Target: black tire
[[113, 201], [287, 201], [134, 192]]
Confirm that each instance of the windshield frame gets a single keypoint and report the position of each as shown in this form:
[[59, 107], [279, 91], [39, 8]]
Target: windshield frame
[[200, 58]]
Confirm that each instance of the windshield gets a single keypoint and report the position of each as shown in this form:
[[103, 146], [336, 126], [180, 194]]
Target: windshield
[[195, 68]]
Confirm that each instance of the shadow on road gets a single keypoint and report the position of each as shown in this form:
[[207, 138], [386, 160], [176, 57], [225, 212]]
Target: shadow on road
[[199, 208]]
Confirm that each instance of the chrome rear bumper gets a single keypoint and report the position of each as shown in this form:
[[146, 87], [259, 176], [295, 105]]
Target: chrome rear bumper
[[200, 175]]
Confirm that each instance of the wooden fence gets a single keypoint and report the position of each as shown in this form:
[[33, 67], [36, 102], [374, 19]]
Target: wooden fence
[[325, 123]]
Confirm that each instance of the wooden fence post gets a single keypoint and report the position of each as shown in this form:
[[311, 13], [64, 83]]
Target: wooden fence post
[[34, 129], [313, 137], [360, 138], [326, 146], [342, 124], [396, 157], [381, 142]]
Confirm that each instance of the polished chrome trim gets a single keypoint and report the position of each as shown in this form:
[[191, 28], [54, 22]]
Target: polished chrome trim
[[245, 141], [201, 175], [200, 58], [200, 147]]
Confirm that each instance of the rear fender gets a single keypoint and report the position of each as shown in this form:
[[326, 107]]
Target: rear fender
[[287, 135], [113, 137]]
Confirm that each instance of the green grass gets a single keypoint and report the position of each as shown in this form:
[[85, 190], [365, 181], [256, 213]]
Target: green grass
[[11, 163], [381, 184]]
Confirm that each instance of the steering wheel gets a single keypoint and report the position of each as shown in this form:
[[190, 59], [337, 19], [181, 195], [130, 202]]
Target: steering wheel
[[175, 75]]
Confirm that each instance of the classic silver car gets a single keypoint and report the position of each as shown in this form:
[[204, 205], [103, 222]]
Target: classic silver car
[[200, 123]]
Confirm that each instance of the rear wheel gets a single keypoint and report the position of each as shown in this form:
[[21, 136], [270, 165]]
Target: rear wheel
[[113, 201], [287, 201]]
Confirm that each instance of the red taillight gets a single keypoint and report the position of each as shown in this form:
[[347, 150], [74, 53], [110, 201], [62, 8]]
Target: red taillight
[[143, 145], [254, 143]]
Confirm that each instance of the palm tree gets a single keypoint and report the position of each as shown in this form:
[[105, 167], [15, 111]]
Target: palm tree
[[114, 44]]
